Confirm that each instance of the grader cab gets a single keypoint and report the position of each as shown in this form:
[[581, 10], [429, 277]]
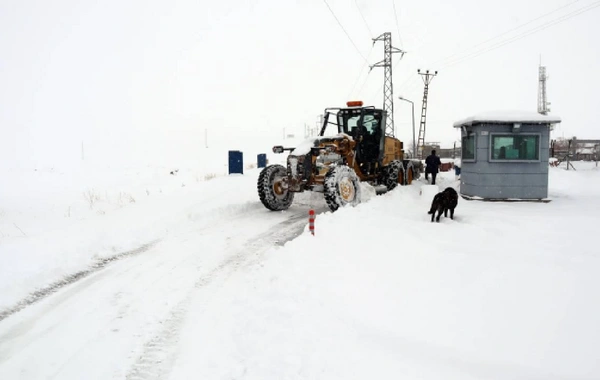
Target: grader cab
[[351, 147]]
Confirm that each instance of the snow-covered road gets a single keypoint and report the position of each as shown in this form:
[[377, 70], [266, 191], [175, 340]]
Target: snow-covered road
[[224, 289], [123, 320]]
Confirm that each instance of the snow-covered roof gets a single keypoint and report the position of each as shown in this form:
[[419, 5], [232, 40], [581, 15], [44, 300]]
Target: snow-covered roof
[[508, 117], [586, 151]]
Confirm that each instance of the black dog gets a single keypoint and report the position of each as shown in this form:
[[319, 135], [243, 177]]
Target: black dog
[[442, 202]]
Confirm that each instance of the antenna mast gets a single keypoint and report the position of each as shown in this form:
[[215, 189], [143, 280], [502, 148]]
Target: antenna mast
[[542, 100]]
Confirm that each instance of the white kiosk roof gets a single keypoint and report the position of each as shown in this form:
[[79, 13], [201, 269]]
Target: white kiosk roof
[[508, 117]]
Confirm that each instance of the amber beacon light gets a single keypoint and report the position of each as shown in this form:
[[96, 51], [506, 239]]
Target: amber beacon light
[[354, 103]]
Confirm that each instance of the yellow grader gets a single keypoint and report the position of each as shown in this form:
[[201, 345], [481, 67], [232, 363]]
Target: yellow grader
[[335, 163]]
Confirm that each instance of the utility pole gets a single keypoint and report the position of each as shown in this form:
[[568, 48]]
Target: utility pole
[[427, 78], [388, 91], [414, 144], [542, 100], [569, 153]]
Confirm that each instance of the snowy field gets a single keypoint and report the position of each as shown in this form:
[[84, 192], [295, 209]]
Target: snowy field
[[207, 283]]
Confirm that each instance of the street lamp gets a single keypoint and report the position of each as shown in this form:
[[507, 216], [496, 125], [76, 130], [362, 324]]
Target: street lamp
[[413, 124]]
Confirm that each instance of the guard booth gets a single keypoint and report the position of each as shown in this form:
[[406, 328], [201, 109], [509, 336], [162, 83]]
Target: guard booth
[[505, 155]]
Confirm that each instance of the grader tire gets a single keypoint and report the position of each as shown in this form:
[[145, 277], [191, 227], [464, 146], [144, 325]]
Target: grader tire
[[394, 175], [341, 187], [270, 190]]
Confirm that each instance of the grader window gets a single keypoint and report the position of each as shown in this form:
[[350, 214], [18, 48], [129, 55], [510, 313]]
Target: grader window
[[353, 122], [349, 122], [360, 121], [371, 124]]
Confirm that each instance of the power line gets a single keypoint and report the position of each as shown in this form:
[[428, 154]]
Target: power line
[[388, 91], [509, 40], [344, 29], [397, 24], [505, 33], [361, 71], [408, 80], [368, 56], [506, 41], [393, 68], [364, 83], [363, 18], [525, 34]]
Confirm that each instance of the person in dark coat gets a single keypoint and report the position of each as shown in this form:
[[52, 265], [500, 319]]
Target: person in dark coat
[[432, 163]]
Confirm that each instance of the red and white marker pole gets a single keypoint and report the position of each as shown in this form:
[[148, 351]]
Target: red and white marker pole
[[311, 221]]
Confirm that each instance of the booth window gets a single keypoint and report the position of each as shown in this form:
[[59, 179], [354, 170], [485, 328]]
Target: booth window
[[516, 147], [468, 147]]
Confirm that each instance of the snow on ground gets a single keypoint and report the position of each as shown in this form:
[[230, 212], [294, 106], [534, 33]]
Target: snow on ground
[[57, 221], [506, 290]]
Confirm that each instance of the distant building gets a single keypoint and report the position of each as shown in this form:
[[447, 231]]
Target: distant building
[[586, 152], [577, 150], [505, 155], [449, 152], [428, 147], [559, 147]]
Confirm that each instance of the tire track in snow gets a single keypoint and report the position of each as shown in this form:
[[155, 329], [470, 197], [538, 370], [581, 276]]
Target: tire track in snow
[[157, 339], [40, 294], [160, 352], [46, 291]]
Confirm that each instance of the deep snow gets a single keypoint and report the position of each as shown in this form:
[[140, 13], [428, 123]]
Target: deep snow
[[506, 290]]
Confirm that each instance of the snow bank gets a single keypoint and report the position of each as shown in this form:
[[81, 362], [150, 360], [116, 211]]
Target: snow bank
[[381, 292]]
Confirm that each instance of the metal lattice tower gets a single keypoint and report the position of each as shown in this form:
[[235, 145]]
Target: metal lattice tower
[[542, 100], [388, 90], [427, 77]]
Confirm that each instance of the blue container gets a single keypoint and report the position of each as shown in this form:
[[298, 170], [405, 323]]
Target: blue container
[[236, 162], [456, 170], [262, 160]]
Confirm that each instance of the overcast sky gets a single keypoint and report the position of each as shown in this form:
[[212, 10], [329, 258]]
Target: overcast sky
[[138, 79]]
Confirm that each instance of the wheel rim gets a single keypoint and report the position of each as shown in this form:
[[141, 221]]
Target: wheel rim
[[347, 190], [278, 188]]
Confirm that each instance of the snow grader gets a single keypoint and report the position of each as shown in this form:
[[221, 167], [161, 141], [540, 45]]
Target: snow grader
[[335, 163]]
